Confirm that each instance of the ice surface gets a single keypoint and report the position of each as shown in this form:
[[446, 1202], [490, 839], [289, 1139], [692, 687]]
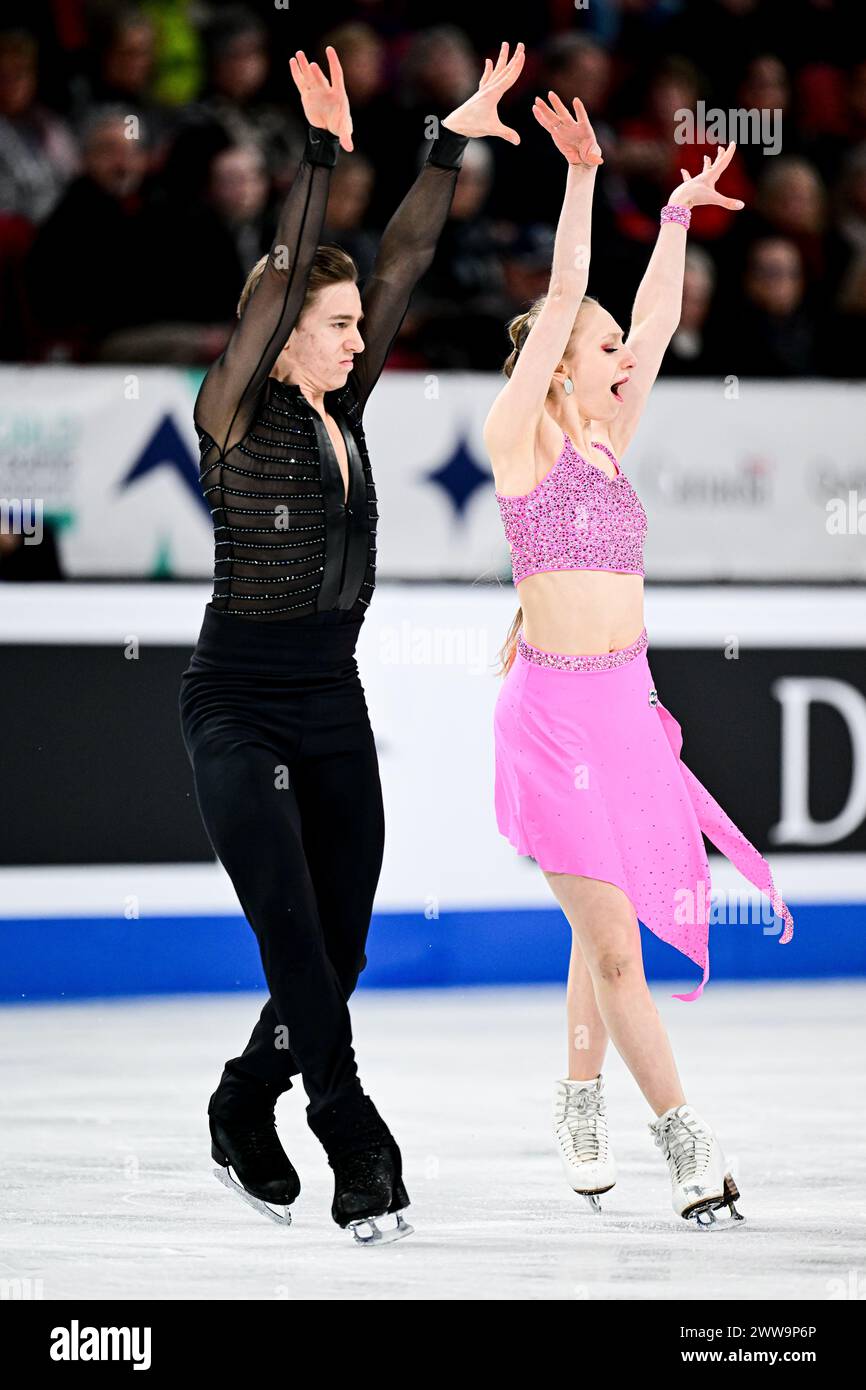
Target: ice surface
[[107, 1190]]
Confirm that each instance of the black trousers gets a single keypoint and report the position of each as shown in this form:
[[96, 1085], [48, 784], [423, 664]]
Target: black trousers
[[276, 726]]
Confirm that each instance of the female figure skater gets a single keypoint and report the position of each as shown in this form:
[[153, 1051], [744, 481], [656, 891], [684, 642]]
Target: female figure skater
[[588, 773], [272, 709]]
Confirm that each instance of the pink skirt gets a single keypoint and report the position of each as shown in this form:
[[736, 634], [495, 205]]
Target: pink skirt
[[589, 781]]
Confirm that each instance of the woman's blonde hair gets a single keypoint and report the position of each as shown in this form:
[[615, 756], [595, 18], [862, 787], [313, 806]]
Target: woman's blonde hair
[[331, 265], [518, 330]]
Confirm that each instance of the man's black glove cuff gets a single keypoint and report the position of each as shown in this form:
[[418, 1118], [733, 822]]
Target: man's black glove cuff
[[447, 150], [321, 147]]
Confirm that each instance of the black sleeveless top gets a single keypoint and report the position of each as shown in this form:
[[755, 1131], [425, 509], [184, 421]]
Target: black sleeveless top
[[289, 543]]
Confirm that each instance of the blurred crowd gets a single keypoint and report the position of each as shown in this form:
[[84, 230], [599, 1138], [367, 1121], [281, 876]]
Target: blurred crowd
[[145, 151]]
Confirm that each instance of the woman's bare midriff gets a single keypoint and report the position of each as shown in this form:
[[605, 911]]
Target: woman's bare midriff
[[579, 612]]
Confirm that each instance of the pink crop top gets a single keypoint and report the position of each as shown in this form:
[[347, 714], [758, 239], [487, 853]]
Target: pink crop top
[[576, 518]]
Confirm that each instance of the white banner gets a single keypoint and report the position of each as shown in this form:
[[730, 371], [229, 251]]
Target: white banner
[[760, 480]]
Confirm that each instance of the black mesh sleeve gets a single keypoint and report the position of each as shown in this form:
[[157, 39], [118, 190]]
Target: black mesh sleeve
[[225, 404], [405, 253]]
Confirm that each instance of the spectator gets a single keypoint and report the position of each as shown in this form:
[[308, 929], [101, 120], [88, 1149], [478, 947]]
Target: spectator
[[85, 272], [217, 243], [346, 223], [766, 88], [198, 262], [845, 353], [161, 230], [38, 155], [792, 200], [572, 65], [770, 332], [526, 262], [690, 351], [849, 128], [362, 57], [122, 72], [178, 54], [652, 151], [233, 110], [851, 229], [439, 71], [460, 305], [726, 33]]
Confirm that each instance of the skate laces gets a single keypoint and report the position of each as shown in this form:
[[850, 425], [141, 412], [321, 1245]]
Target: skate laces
[[686, 1145], [577, 1116]]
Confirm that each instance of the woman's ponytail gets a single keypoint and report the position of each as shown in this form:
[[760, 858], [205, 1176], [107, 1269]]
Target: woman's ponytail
[[508, 650]]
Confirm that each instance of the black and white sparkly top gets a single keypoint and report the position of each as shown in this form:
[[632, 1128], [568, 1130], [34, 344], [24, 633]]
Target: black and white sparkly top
[[290, 542]]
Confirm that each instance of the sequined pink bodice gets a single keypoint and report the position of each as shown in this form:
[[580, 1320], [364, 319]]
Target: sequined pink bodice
[[576, 518]]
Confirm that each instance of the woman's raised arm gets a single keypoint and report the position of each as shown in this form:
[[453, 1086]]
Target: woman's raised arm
[[511, 425], [658, 303], [226, 401]]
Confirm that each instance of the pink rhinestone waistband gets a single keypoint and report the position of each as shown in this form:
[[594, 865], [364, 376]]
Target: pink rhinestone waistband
[[595, 661]]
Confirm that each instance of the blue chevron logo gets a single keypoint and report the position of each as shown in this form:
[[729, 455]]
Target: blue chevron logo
[[167, 448]]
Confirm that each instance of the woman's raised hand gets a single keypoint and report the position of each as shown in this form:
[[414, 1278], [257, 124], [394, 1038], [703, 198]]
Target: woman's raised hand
[[325, 103], [573, 135], [478, 115], [701, 189]]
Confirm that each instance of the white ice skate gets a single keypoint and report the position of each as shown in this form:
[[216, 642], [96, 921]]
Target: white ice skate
[[580, 1128], [700, 1180]]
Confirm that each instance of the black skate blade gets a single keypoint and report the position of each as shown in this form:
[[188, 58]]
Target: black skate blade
[[375, 1235], [282, 1216]]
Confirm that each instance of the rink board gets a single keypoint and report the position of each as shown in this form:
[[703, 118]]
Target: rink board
[[97, 957], [108, 885]]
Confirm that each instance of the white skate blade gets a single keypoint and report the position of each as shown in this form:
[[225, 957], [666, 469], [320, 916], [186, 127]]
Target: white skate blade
[[705, 1219], [282, 1216], [374, 1235], [592, 1197], [704, 1214]]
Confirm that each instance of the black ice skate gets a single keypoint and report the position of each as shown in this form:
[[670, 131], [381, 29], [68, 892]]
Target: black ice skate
[[244, 1138], [368, 1172], [367, 1186]]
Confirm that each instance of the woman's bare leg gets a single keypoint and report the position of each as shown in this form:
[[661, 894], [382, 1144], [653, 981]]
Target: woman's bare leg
[[604, 923], [587, 1035]]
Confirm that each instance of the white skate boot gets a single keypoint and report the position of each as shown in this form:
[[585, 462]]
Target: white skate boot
[[580, 1128], [700, 1180]]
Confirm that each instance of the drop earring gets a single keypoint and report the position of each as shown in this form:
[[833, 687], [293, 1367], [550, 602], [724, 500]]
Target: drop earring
[[568, 386]]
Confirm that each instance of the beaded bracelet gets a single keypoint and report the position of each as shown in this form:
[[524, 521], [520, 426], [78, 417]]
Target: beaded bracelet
[[675, 212]]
